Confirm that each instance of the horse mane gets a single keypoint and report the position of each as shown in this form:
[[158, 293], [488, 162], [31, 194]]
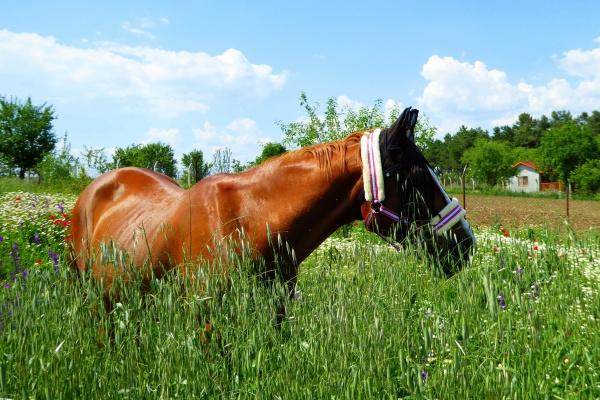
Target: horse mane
[[324, 153]]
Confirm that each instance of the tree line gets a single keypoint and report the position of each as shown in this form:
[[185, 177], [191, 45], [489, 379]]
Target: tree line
[[28, 143], [567, 148]]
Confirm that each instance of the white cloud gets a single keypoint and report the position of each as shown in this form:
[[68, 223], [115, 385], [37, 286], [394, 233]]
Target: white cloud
[[463, 86], [142, 27], [242, 136], [389, 106], [581, 63], [137, 30], [475, 95], [169, 136], [243, 131], [206, 133], [163, 82], [346, 103]]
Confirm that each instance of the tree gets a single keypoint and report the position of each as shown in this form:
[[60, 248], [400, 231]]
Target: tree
[[95, 159], [223, 162], [26, 134], [587, 176], [194, 165], [155, 156], [447, 154], [592, 127], [560, 117], [336, 123], [565, 146], [489, 161], [525, 132], [525, 154], [59, 165], [269, 150]]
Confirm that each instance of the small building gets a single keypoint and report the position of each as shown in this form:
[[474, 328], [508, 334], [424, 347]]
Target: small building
[[527, 179]]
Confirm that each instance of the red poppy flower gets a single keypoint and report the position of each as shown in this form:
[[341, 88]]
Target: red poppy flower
[[505, 232]]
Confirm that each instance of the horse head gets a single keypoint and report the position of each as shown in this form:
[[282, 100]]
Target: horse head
[[404, 199]]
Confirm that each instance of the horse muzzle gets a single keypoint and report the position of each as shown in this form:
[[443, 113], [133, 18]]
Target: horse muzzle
[[453, 250]]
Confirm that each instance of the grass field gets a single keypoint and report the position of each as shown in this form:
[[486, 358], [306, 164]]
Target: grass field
[[520, 322]]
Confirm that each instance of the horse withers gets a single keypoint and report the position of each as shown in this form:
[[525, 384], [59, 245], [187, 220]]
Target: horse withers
[[298, 198]]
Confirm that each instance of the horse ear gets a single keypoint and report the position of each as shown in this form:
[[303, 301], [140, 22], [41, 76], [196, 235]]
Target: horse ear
[[403, 130], [412, 122]]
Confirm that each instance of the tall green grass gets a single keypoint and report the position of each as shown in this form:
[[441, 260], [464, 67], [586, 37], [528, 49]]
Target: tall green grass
[[371, 323], [33, 185], [520, 322]]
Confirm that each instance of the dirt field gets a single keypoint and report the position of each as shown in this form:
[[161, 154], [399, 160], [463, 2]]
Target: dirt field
[[523, 212]]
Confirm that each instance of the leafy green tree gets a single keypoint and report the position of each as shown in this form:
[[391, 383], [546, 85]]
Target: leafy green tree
[[26, 134], [565, 146], [447, 154], [336, 123], [489, 161], [587, 176], [269, 150], [593, 124], [525, 132], [95, 159], [159, 157], [560, 117], [193, 163], [592, 127], [525, 154], [59, 165]]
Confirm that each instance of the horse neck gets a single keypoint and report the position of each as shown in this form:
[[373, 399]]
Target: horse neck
[[313, 192]]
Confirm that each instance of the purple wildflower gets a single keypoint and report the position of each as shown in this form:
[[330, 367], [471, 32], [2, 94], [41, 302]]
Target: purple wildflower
[[36, 238], [424, 376], [1, 238], [501, 301], [61, 207], [519, 270], [6, 285], [14, 253], [54, 257]]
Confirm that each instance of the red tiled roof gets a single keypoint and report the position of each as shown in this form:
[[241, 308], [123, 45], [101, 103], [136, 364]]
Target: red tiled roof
[[528, 164]]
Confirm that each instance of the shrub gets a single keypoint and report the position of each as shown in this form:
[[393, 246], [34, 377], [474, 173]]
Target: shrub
[[587, 176]]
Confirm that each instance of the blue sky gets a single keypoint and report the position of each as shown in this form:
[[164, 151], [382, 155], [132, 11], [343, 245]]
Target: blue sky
[[203, 74]]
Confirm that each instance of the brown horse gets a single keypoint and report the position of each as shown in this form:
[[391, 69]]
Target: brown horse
[[300, 197]]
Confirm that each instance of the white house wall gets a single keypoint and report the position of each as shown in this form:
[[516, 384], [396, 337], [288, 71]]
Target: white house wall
[[533, 179]]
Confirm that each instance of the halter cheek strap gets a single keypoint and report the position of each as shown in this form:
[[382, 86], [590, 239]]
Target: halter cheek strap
[[372, 171]]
